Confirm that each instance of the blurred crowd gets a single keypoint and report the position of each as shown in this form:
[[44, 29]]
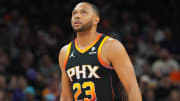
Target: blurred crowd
[[32, 33]]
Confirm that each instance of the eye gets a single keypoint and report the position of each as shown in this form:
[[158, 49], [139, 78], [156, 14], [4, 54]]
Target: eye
[[74, 12], [84, 12]]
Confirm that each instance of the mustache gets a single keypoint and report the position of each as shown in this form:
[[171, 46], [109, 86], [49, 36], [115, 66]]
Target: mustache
[[77, 21]]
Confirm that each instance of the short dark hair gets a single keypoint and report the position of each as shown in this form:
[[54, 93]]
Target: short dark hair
[[94, 7]]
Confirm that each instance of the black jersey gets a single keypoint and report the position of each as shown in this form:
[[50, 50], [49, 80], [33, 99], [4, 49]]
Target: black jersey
[[91, 78]]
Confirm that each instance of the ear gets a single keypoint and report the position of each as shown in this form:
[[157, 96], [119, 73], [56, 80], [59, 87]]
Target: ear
[[96, 20]]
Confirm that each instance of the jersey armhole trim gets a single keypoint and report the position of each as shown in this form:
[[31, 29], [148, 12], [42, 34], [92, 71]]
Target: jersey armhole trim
[[99, 54], [67, 55]]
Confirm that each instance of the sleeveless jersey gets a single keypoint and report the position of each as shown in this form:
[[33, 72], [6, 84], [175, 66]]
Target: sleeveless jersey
[[91, 78]]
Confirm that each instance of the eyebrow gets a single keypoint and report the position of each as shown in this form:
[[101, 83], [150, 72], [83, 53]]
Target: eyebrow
[[80, 9]]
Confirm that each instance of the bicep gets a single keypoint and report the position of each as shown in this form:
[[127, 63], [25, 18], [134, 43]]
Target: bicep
[[122, 65], [66, 93], [66, 88]]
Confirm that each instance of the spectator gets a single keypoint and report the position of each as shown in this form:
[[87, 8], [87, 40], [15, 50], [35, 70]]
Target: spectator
[[32, 31], [52, 89], [30, 93], [2, 82], [2, 97], [165, 64], [47, 66], [174, 95], [4, 62], [26, 63], [138, 64], [9, 95], [149, 95], [13, 82], [49, 97], [19, 94], [164, 88], [13, 23]]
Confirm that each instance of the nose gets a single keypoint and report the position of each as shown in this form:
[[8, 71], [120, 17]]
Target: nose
[[77, 16]]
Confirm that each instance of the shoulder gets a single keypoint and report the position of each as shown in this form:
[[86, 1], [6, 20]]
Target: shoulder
[[63, 50], [112, 49], [63, 53], [112, 44]]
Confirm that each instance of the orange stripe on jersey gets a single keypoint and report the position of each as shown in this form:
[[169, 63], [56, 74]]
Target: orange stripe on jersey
[[112, 88], [99, 54], [122, 99], [67, 54], [86, 49]]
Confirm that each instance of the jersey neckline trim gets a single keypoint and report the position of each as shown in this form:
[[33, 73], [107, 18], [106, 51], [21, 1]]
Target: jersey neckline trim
[[86, 49]]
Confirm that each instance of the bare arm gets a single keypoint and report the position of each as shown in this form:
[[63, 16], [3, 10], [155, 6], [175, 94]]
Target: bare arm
[[118, 57], [66, 93]]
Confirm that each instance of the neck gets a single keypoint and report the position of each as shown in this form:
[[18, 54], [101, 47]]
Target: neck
[[85, 38]]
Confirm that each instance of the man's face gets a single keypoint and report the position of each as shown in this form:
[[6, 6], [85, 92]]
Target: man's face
[[82, 17], [164, 54]]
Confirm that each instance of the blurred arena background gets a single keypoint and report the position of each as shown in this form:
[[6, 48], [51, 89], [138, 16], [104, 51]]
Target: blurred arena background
[[33, 31]]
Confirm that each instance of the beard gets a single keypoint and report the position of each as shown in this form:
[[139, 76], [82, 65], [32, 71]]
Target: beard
[[83, 27]]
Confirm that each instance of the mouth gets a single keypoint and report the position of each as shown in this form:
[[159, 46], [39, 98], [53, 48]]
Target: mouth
[[77, 23]]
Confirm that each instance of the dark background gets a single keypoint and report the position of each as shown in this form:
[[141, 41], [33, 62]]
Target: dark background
[[33, 31]]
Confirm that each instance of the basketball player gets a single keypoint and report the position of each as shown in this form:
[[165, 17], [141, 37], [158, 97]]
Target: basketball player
[[93, 64]]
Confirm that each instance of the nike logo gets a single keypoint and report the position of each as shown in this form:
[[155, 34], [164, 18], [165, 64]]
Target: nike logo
[[93, 51], [90, 53]]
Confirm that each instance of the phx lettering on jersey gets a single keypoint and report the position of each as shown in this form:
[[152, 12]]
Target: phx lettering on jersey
[[75, 71]]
